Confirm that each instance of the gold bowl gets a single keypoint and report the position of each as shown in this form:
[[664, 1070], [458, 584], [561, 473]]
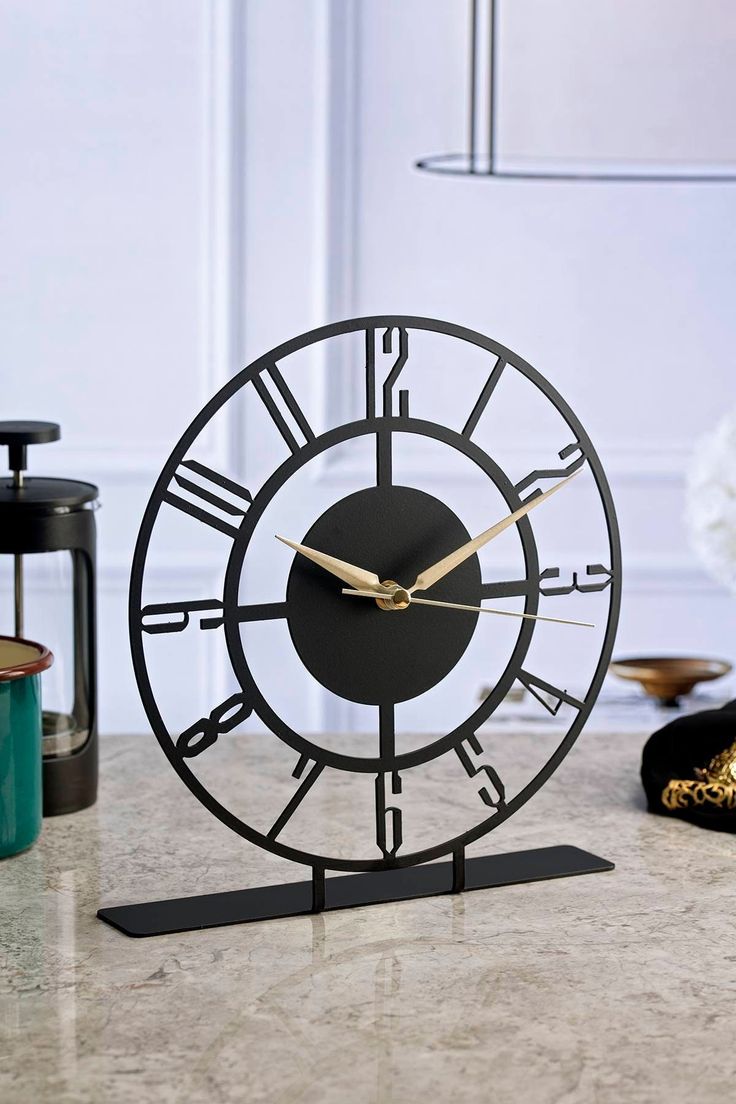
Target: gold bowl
[[669, 678]]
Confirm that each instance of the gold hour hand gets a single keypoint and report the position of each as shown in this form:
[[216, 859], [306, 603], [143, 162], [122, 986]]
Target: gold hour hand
[[348, 572], [433, 574]]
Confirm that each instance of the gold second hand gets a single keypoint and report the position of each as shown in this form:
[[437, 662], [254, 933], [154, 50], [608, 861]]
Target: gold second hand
[[473, 609]]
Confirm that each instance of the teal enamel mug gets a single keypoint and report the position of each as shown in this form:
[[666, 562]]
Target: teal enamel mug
[[21, 664]]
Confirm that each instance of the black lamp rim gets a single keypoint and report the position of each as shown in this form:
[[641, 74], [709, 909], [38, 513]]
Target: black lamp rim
[[438, 163]]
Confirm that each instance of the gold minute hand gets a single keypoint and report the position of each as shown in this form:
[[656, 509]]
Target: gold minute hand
[[433, 574], [472, 609], [348, 572]]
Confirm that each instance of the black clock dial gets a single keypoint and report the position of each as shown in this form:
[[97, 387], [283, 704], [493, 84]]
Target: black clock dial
[[386, 662], [345, 644], [382, 754]]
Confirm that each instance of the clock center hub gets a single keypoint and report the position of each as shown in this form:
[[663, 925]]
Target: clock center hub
[[399, 599], [346, 642]]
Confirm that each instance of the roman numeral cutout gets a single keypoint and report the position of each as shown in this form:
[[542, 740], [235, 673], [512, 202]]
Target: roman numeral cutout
[[279, 401], [484, 397], [575, 585], [306, 782], [205, 732], [513, 588], [542, 690], [174, 617], [381, 380], [554, 473], [208, 496], [389, 817], [470, 753], [388, 373]]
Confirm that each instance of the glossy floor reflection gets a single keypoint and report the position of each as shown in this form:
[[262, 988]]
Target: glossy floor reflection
[[602, 988]]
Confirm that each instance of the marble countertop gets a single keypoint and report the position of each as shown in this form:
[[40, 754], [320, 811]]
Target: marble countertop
[[589, 990]]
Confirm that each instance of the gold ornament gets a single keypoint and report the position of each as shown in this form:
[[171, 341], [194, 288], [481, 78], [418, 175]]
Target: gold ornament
[[712, 785]]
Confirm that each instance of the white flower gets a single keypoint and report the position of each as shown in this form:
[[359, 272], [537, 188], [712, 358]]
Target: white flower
[[710, 511]]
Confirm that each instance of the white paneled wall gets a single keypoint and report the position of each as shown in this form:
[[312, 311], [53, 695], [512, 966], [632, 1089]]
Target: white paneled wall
[[189, 182]]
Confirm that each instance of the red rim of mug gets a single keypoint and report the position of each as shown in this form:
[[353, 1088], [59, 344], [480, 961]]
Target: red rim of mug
[[43, 660]]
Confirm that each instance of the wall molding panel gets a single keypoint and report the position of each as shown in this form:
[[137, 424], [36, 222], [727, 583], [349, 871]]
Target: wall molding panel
[[263, 186], [220, 181]]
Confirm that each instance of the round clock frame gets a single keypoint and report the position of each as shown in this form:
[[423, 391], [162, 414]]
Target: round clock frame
[[341, 531]]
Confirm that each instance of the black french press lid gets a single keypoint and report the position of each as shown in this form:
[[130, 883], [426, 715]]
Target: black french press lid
[[37, 494]]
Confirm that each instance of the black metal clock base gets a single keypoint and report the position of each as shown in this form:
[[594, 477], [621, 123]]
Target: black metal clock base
[[241, 906]]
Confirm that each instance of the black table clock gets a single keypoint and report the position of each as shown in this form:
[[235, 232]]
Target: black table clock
[[432, 566]]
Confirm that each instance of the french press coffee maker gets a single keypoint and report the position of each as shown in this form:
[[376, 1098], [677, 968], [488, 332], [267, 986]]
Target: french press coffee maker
[[47, 559]]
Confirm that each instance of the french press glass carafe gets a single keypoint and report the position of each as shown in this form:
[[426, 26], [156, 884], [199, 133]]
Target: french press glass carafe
[[47, 559]]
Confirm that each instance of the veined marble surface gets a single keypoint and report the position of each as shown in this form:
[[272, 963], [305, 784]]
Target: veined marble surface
[[589, 990]]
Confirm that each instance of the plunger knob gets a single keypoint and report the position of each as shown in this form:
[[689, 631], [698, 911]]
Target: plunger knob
[[19, 435]]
